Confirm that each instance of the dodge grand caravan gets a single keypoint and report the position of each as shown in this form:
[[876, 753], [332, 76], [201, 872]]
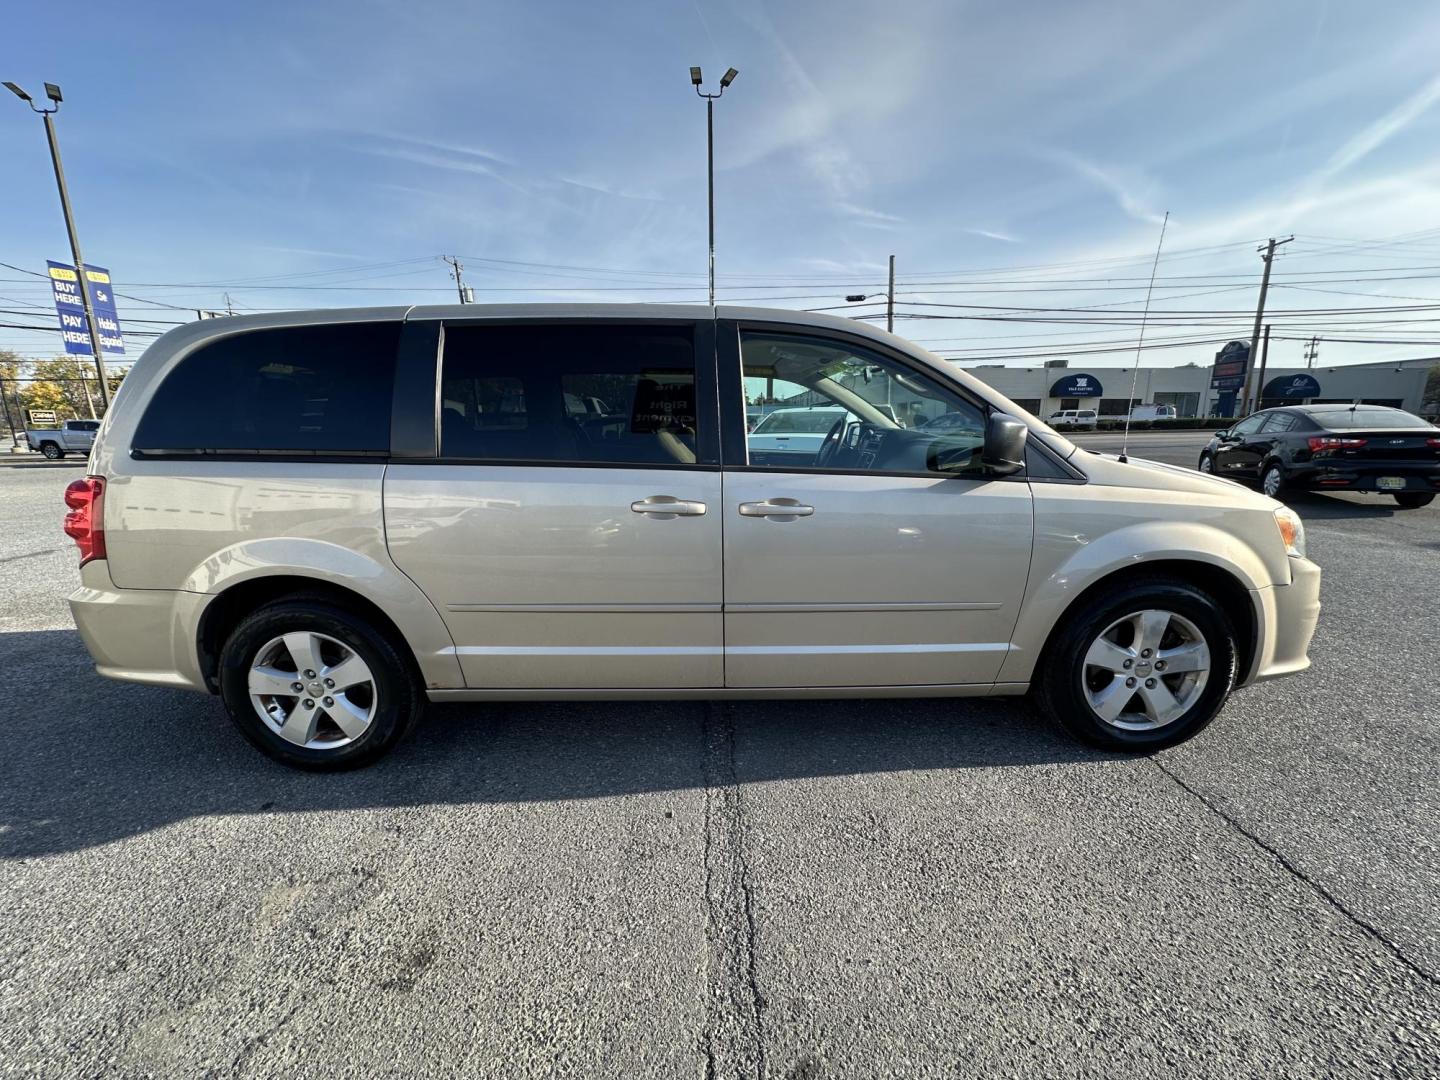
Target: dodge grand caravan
[[331, 518]]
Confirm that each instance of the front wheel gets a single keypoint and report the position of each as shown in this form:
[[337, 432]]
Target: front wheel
[[1144, 666], [316, 686], [52, 452], [1413, 500], [1273, 480], [1207, 464]]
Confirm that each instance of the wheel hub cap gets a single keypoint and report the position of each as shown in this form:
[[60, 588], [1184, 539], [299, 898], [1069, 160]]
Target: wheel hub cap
[[312, 690], [1145, 670]]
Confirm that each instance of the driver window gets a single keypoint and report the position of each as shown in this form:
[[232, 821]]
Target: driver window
[[812, 403]]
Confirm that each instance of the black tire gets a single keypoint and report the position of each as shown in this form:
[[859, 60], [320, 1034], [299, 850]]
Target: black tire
[[399, 697], [1207, 464], [51, 451], [1059, 685], [1413, 500], [1279, 471]]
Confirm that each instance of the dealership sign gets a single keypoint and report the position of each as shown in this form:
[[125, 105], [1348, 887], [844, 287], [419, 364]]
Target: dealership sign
[[1077, 386], [1231, 363], [1292, 386], [65, 285]]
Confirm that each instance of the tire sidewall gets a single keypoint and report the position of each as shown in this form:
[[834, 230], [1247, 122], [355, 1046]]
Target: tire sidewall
[[398, 696], [1061, 682], [1413, 500]]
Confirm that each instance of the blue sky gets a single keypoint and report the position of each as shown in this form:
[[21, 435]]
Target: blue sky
[[1023, 152]]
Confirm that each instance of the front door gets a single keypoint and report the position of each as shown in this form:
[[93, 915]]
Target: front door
[[569, 529], [1239, 452], [889, 557]]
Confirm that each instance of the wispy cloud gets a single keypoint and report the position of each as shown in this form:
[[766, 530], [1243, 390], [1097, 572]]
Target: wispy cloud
[[993, 234], [864, 215], [1126, 190], [1367, 141]]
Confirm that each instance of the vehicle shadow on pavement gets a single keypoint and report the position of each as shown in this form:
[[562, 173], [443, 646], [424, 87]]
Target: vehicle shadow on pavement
[[86, 761], [1321, 507]]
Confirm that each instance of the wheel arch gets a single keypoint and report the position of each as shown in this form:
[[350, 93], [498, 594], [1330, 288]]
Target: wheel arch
[[1228, 590]]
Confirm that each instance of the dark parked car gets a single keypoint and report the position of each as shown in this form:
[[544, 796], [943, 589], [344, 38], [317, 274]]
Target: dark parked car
[[1331, 448]]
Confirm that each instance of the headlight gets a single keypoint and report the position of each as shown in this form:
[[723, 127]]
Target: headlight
[[1292, 531]]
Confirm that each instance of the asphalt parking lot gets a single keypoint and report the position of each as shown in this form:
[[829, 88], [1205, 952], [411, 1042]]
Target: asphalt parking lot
[[787, 890]]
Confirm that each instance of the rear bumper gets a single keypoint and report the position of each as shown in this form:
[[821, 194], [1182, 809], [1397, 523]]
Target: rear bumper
[[1366, 476], [1288, 614], [139, 635]]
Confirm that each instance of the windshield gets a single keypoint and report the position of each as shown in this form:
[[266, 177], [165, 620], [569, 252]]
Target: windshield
[[807, 421], [1350, 419]]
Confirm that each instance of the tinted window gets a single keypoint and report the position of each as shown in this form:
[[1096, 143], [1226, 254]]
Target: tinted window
[[1343, 419], [612, 394], [310, 389], [807, 421], [1279, 422]]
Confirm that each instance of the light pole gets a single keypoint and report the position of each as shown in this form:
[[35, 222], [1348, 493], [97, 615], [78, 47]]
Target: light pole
[[53, 93], [725, 80], [855, 298]]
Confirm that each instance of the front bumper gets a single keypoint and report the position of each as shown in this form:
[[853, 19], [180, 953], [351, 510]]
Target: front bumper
[[1288, 614], [139, 635]]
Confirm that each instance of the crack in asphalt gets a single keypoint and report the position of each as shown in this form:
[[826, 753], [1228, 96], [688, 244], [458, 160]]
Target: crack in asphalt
[[734, 1027], [1325, 894]]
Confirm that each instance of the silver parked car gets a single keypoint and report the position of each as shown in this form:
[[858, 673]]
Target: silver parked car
[[331, 518]]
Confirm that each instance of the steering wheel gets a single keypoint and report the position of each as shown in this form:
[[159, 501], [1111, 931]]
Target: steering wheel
[[831, 444]]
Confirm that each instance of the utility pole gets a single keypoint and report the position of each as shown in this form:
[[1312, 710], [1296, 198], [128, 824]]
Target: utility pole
[[1269, 257], [457, 272], [1264, 358], [725, 80], [1311, 352], [9, 421], [53, 93], [890, 299]]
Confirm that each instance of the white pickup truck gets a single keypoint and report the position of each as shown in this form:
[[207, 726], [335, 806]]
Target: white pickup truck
[[71, 437]]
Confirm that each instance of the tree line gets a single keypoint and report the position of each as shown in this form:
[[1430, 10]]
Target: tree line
[[66, 385]]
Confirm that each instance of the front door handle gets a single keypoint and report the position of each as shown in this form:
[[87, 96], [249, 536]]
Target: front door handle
[[665, 507], [780, 509]]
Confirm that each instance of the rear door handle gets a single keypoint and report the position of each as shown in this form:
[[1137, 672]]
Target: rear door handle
[[665, 507], [784, 509]]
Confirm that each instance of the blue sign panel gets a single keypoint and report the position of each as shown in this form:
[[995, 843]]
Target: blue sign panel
[[1077, 386], [1292, 386], [65, 285]]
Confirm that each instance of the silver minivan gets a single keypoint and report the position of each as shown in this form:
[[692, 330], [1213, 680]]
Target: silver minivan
[[332, 518]]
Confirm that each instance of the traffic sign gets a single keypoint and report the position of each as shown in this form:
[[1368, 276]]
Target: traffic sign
[[65, 285]]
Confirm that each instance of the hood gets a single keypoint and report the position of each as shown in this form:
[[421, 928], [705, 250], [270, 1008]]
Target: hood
[[1157, 476]]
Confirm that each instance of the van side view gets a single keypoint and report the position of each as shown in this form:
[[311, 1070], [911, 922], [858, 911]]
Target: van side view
[[384, 508]]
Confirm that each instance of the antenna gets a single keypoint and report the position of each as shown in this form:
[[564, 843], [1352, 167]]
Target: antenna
[[1135, 371]]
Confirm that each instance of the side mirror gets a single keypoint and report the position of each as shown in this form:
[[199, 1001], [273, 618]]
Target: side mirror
[[1222, 434], [1004, 451]]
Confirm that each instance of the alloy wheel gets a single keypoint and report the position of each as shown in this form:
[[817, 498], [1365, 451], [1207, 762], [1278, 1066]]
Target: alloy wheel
[[1273, 481], [1145, 670], [312, 690]]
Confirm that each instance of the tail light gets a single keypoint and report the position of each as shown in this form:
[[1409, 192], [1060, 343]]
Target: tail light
[[85, 521], [1433, 442], [1332, 442]]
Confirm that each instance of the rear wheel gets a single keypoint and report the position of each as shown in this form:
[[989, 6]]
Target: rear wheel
[[1413, 500], [1272, 480], [51, 451], [1146, 665], [316, 686]]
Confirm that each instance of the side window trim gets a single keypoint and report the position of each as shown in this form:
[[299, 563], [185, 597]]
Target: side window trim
[[414, 409], [732, 393]]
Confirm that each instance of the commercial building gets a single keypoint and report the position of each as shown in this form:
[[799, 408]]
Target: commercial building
[[1045, 390]]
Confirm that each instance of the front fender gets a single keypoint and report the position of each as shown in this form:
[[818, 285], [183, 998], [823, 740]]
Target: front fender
[[382, 584], [1066, 563]]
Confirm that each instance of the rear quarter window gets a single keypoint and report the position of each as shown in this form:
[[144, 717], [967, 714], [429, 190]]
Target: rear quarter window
[[291, 390]]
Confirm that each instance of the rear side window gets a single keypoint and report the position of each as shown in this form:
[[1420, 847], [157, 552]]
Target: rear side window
[[1279, 422], [604, 394], [297, 390]]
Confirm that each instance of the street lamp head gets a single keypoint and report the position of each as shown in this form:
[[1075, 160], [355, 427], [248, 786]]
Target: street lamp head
[[695, 78], [52, 92], [854, 298], [21, 94], [727, 78]]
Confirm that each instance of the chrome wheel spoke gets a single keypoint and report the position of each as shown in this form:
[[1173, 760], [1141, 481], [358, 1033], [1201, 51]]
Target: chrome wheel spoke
[[300, 722], [349, 672], [1150, 627], [304, 649], [1192, 656], [1106, 654], [1161, 706], [1109, 702], [272, 682], [349, 717]]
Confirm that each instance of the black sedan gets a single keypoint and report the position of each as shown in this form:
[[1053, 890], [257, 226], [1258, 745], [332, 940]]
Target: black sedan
[[1331, 448]]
